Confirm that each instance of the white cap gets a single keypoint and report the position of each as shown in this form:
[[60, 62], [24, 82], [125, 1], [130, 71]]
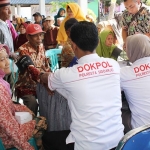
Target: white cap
[[49, 18], [61, 18]]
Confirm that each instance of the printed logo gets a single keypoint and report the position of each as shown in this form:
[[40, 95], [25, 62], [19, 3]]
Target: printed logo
[[95, 69], [36, 27], [141, 70]]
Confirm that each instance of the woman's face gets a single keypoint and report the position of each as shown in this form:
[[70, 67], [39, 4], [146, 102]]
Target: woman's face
[[62, 13], [109, 40], [70, 13], [4, 62], [22, 29]]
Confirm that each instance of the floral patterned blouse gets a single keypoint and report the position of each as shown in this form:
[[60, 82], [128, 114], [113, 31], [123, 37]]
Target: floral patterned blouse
[[67, 54], [26, 85], [12, 133], [140, 24]]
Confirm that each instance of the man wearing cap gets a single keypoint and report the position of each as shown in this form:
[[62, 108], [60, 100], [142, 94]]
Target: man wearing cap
[[37, 18], [26, 86], [5, 33], [51, 33]]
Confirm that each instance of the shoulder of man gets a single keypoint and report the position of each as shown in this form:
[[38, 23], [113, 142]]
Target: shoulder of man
[[125, 12], [24, 48]]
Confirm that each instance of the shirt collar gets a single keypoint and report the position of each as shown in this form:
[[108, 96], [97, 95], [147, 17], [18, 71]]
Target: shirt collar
[[4, 22], [141, 60], [87, 57], [31, 49]]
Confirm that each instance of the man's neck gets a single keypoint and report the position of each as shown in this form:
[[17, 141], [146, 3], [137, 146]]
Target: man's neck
[[34, 46], [84, 53], [3, 20]]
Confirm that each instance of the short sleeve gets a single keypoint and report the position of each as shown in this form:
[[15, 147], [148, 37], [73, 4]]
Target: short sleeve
[[123, 19], [54, 80]]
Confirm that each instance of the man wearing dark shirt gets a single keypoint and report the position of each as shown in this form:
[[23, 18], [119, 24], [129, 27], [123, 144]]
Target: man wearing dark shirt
[[51, 34]]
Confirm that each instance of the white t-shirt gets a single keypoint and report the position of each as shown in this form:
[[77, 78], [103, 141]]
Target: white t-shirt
[[135, 82], [92, 88]]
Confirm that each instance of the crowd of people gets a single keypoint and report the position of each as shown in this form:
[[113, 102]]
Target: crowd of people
[[82, 101]]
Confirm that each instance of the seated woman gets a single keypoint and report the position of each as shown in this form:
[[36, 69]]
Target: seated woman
[[106, 48], [21, 38], [12, 133], [135, 82]]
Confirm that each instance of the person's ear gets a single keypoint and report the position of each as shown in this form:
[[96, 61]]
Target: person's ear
[[74, 46]]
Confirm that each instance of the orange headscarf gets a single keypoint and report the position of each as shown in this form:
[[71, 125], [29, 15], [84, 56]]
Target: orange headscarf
[[19, 20], [78, 14]]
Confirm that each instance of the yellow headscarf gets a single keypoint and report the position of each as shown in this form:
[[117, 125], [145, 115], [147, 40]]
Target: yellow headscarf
[[19, 21], [78, 14]]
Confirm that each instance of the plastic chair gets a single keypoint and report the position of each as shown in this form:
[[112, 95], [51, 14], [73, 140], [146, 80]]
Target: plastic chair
[[136, 139], [1, 145], [31, 141], [52, 55], [15, 77]]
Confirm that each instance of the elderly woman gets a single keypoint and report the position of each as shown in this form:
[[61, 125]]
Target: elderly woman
[[12, 133], [135, 82], [106, 48], [73, 11], [21, 38]]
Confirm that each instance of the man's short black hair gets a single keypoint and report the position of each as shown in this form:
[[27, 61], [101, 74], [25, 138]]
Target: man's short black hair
[[69, 23], [85, 35]]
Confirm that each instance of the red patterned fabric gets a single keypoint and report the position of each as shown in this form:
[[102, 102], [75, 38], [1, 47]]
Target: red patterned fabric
[[34, 72], [11, 132], [26, 84]]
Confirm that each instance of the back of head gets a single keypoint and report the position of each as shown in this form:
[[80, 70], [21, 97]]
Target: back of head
[[69, 23], [85, 35], [137, 46]]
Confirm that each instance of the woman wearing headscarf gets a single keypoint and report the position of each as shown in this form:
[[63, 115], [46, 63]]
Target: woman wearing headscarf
[[19, 20], [106, 48], [61, 13], [21, 38], [73, 11], [135, 82], [12, 133]]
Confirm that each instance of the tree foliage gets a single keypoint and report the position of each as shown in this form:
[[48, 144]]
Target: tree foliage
[[57, 4], [91, 12], [108, 2]]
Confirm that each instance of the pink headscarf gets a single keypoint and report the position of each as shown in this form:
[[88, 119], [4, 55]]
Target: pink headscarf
[[2, 74]]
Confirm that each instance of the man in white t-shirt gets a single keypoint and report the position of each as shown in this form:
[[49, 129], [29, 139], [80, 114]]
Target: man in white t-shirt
[[135, 82], [92, 88]]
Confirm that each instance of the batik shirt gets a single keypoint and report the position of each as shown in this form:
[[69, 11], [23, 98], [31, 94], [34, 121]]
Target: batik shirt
[[140, 24], [26, 85], [12, 133], [67, 54]]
